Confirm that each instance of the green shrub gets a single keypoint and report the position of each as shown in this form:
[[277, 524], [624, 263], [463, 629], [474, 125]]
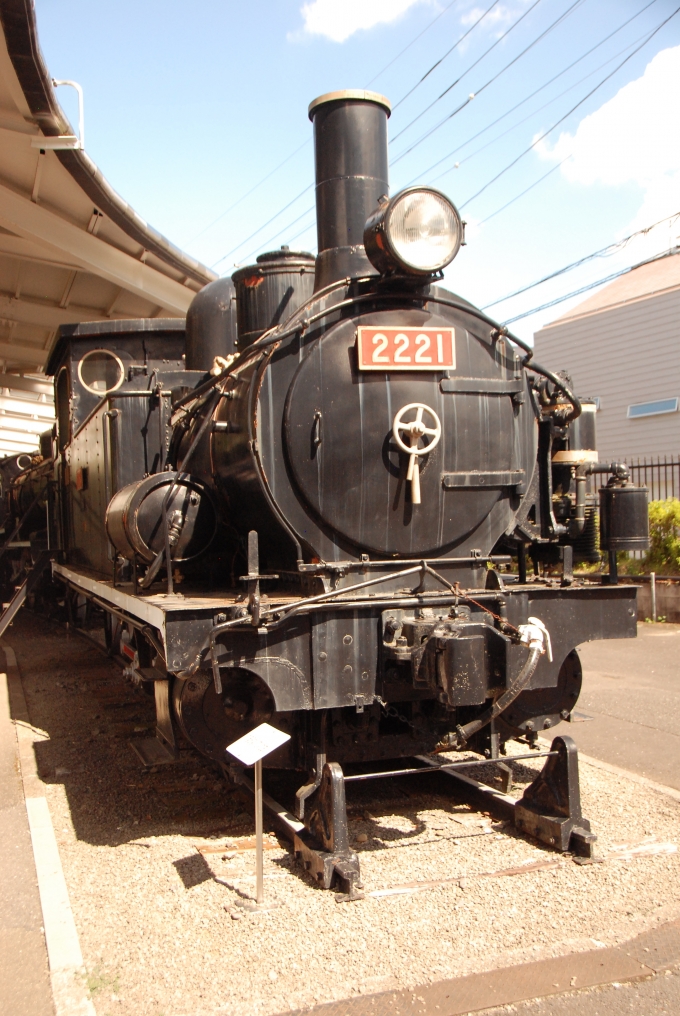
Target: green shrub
[[664, 537]]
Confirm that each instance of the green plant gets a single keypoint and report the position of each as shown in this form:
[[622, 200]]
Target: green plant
[[99, 980], [664, 537]]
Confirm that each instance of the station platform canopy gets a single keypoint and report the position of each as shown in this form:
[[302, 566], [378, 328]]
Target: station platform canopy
[[71, 249]]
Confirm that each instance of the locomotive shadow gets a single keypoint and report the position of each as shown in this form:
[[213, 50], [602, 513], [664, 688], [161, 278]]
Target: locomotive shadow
[[89, 715], [79, 698]]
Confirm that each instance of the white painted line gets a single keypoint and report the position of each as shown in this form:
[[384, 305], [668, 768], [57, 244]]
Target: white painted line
[[67, 970]]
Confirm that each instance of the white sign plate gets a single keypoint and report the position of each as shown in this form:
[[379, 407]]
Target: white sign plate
[[250, 748]]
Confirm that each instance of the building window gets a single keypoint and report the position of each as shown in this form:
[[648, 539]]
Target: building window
[[652, 408]]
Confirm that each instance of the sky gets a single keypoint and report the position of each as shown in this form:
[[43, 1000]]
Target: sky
[[551, 124]]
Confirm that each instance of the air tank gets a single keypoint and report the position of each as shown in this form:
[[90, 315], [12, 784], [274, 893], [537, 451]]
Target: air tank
[[269, 291], [624, 517], [211, 325]]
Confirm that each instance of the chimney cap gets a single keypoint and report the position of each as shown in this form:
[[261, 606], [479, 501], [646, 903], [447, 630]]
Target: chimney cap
[[353, 94]]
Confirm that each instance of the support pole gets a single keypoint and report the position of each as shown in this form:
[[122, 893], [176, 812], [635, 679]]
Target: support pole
[[652, 583], [613, 569], [259, 838]]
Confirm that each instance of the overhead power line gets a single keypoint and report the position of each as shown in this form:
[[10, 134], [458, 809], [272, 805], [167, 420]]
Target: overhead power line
[[281, 232], [280, 165], [412, 42], [249, 192], [607, 251], [264, 226], [307, 142], [448, 53], [534, 112], [569, 112], [479, 59], [525, 191], [591, 285], [487, 84], [545, 85]]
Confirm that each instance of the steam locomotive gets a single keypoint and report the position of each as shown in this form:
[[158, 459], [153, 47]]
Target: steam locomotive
[[296, 506]]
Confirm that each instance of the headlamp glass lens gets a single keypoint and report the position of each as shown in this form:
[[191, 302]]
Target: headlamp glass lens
[[424, 230]]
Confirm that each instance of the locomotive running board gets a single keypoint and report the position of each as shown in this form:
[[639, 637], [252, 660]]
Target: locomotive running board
[[326, 867], [550, 808]]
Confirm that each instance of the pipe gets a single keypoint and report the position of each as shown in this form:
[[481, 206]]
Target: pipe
[[578, 523], [81, 110], [350, 154], [505, 700], [559, 384]]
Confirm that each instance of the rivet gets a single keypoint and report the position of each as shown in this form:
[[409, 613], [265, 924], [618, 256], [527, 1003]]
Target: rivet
[[323, 656], [348, 640]]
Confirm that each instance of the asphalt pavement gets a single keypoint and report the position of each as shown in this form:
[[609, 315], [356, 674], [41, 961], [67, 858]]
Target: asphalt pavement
[[659, 996], [631, 689]]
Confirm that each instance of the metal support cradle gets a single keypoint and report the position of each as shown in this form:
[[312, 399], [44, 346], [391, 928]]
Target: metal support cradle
[[549, 810]]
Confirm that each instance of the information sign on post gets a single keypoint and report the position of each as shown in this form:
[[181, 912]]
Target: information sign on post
[[250, 750]]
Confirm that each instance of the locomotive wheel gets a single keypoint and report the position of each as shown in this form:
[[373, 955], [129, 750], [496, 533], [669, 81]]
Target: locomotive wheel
[[542, 708], [211, 721]]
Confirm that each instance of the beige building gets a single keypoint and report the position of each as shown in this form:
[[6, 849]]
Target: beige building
[[622, 347]]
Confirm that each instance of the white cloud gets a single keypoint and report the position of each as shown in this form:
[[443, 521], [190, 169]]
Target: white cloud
[[339, 19], [633, 139], [499, 15]]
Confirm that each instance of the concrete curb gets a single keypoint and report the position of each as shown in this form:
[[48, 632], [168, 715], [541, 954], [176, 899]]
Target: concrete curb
[[67, 970], [648, 954]]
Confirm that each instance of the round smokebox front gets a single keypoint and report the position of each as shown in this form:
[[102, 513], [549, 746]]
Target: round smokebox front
[[348, 464]]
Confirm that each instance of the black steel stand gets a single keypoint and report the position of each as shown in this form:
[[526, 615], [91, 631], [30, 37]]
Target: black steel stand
[[549, 810], [321, 841]]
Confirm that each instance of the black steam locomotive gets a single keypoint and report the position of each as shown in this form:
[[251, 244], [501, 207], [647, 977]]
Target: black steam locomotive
[[299, 510]]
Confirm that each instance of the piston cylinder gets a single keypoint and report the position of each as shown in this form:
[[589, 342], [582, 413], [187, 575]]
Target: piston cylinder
[[134, 517], [624, 518]]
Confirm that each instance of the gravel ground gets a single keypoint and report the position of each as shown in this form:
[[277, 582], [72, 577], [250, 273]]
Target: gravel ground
[[162, 937]]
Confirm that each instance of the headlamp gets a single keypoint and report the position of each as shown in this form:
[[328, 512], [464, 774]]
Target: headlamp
[[418, 231]]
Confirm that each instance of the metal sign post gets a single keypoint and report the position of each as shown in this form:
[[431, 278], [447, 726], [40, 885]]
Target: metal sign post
[[259, 836], [251, 749]]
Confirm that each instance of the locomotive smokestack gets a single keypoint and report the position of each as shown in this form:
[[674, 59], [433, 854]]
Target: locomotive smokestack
[[350, 148]]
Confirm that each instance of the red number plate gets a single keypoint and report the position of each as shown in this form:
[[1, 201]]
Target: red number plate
[[389, 349]]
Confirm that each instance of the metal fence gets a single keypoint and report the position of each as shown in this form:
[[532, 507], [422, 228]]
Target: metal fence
[[661, 475]]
